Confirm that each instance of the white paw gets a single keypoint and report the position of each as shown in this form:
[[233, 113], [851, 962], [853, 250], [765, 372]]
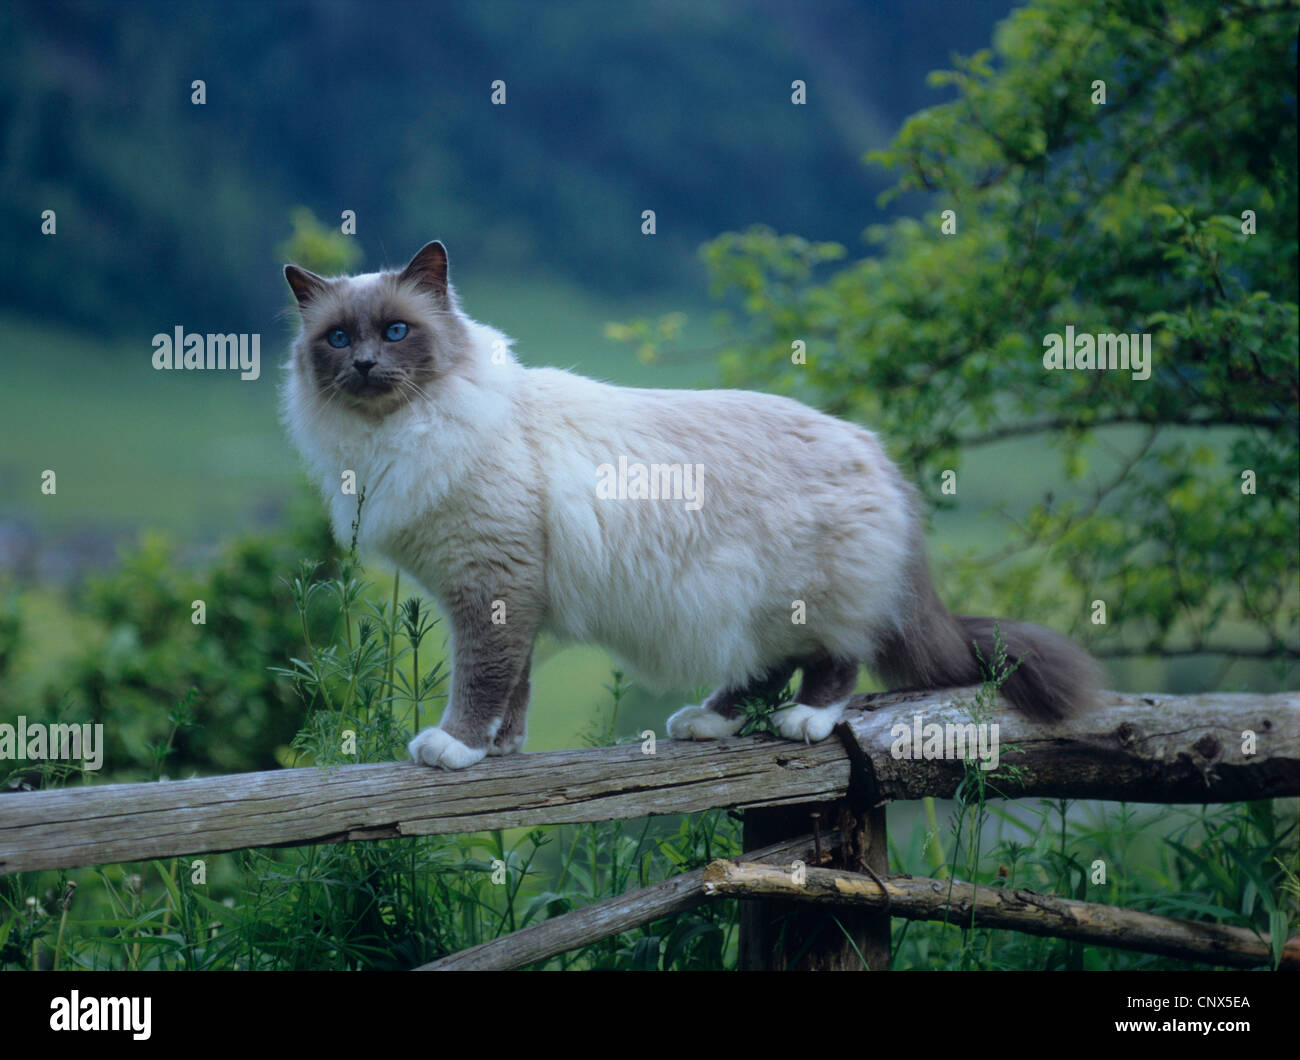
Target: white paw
[[807, 724], [700, 723], [433, 747]]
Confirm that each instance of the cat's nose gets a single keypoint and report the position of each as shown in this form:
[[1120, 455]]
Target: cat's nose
[[363, 366]]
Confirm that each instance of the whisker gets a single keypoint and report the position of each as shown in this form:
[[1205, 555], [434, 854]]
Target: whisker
[[411, 385], [332, 391]]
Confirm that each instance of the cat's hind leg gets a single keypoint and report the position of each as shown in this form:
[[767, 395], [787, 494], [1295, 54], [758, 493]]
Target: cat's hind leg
[[827, 684], [719, 715]]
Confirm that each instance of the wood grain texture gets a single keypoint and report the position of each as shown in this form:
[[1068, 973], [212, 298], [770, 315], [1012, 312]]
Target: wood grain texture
[[1018, 910], [1145, 747], [1142, 748], [131, 822]]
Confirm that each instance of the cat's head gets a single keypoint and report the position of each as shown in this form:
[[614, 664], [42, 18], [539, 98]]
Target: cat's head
[[375, 342]]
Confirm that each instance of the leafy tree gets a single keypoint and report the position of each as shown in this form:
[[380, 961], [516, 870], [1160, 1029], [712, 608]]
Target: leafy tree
[[1122, 216], [313, 246], [143, 655]]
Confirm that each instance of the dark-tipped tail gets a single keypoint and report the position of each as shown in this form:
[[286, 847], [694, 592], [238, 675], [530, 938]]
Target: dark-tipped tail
[[1049, 678]]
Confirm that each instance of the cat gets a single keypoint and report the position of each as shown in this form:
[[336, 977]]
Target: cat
[[719, 536]]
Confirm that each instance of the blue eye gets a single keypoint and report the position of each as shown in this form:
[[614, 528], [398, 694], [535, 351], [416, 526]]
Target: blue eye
[[395, 332], [338, 338]]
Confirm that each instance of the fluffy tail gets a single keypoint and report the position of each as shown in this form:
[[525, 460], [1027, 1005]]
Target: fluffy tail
[[1052, 678]]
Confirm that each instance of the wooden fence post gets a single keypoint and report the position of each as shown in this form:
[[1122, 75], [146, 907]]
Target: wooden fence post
[[788, 936], [791, 936], [873, 842]]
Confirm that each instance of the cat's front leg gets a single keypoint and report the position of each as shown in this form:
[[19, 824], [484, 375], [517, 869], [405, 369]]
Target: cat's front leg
[[489, 697], [510, 737]]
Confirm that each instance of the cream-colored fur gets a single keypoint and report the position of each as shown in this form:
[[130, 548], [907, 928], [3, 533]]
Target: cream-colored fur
[[797, 544], [796, 507]]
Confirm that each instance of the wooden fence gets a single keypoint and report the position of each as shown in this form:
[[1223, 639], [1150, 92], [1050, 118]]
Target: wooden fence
[[814, 831]]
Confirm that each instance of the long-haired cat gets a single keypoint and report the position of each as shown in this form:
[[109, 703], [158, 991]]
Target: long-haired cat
[[715, 536]]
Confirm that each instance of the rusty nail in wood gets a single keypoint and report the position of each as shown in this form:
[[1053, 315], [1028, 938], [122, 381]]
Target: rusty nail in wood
[[817, 834]]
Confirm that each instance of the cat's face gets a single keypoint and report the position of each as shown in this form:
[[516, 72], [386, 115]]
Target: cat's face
[[373, 343]]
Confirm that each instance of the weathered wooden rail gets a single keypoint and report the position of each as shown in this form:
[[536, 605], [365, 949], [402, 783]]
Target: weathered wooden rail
[[1139, 748]]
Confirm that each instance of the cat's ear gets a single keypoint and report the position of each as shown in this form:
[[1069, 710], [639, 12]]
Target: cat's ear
[[306, 285], [428, 271]]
